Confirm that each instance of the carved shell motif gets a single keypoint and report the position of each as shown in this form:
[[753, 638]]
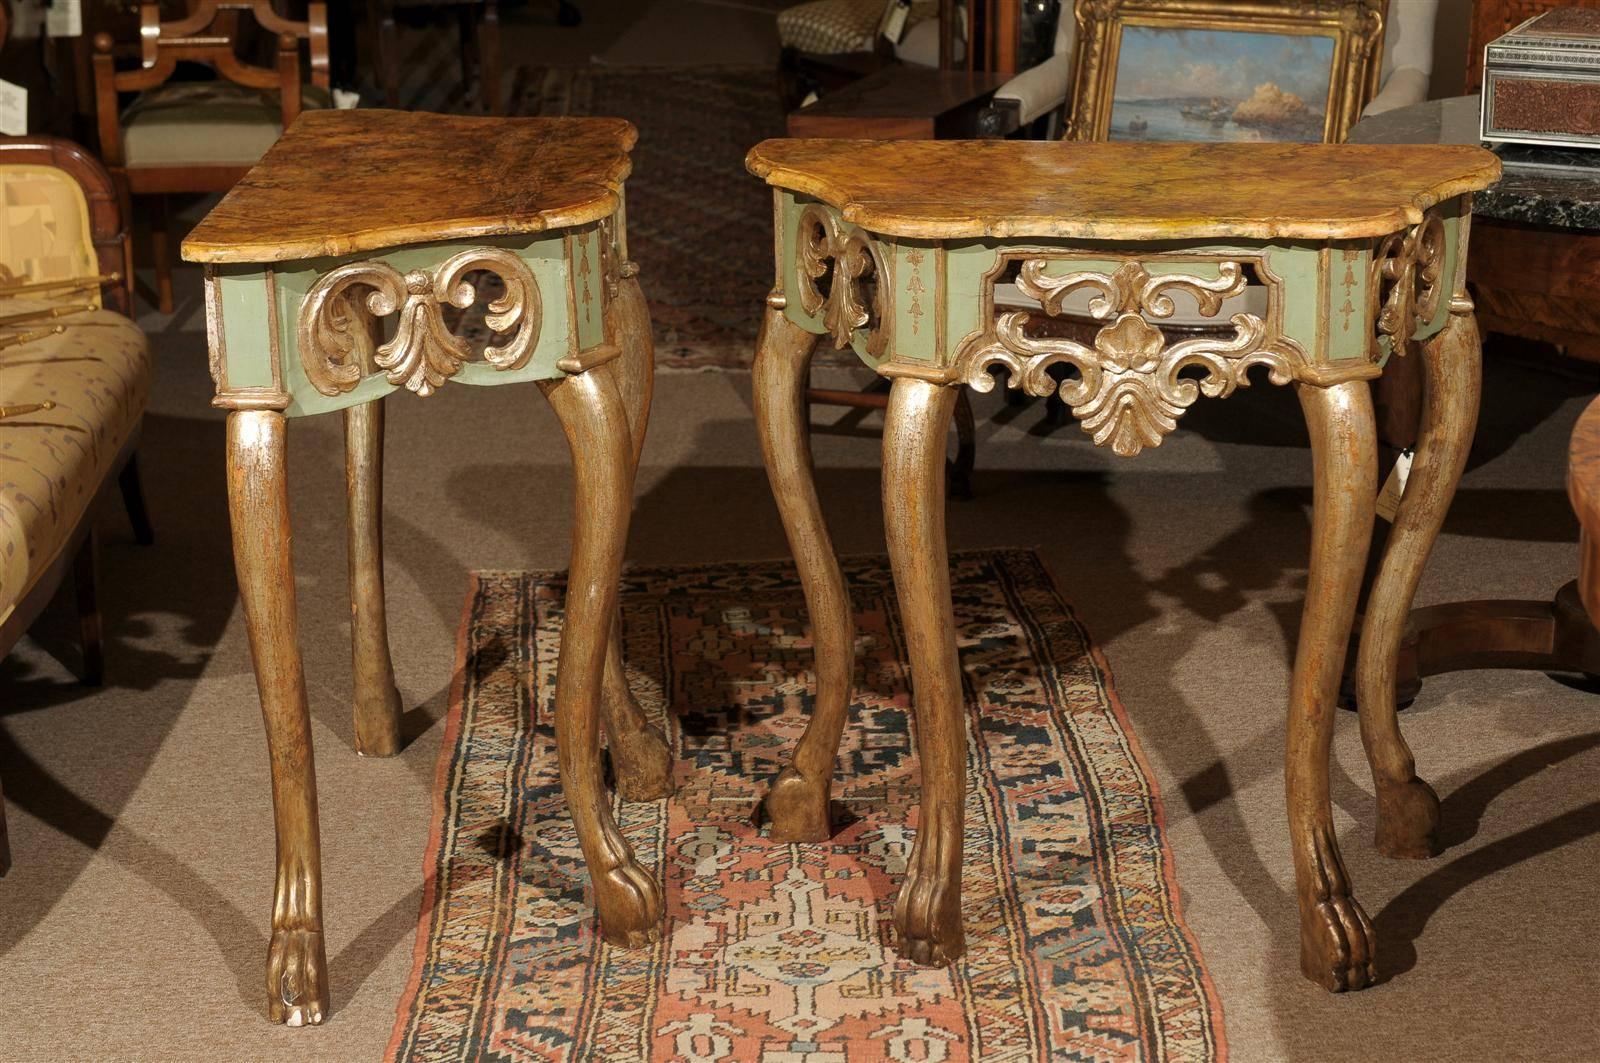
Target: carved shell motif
[[851, 263], [335, 336], [1128, 392]]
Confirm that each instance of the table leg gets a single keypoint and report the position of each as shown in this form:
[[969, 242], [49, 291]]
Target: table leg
[[797, 804], [1408, 809], [927, 911], [640, 756], [626, 897], [258, 505], [377, 702], [1336, 940]]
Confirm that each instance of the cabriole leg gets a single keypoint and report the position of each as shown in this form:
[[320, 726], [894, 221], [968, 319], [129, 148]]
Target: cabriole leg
[[627, 899], [640, 756], [927, 912], [797, 804], [377, 702], [258, 505], [1336, 940], [1408, 809]]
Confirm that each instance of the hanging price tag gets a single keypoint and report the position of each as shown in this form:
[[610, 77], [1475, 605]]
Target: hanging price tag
[[65, 18], [1395, 486], [13, 110]]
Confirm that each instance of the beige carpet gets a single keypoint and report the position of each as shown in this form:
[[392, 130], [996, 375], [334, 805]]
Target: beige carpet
[[134, 923]]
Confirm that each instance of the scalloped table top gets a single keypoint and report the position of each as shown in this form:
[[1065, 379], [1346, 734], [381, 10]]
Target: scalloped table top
[[968, 189], [340, 182]]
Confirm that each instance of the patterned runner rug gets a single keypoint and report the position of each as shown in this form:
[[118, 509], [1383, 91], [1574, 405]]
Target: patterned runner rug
[[1076, 945], [699, 226]]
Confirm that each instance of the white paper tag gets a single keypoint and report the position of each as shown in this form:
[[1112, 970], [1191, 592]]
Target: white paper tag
[[13, 110], [1394, 486], [65, 19], [893, 26]]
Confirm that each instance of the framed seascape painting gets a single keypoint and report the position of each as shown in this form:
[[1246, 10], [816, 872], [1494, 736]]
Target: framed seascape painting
[[1223, 70]]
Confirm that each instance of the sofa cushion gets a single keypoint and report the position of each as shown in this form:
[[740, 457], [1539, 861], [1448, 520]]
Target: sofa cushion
[[206, 123], [52, 462]]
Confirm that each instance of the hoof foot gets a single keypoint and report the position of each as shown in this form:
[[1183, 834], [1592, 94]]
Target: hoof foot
[[297, 978], [927, 918], [643, 764], [797, 808], [1408, 820], [628, 902]]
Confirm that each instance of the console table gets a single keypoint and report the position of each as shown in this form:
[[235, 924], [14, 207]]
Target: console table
[[355, 218], [894, 249]]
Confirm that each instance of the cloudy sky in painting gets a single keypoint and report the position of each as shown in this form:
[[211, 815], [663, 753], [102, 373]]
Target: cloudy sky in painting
[[1157, 62]]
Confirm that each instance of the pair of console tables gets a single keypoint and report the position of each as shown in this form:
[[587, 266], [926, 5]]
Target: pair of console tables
[[893, 250]]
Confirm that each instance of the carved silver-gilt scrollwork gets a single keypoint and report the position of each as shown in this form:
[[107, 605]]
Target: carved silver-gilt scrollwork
[[1407, 273], [851, 262], [1128, 392], [336, 342]]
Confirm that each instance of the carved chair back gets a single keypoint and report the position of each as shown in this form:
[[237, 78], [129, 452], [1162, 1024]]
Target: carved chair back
[[203, 36]]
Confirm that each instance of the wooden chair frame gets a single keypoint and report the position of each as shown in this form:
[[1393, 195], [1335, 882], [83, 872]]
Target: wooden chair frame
[[196, 38]]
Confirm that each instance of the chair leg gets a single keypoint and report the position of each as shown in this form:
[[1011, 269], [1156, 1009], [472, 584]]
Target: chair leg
[[380, 16], [489, 56], [161, 248], [132, 486], [5, 839], [85, 577]]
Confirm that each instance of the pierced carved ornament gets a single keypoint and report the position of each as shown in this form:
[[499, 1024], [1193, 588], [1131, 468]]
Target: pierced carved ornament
[[336, 344], [1128, 392], [1406, 271], [854, 298]]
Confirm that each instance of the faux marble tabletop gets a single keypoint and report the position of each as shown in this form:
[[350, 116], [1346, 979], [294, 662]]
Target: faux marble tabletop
[[1543, 186]]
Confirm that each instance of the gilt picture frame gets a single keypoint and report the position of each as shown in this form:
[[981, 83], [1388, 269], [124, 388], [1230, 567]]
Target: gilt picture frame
[[1223, 69]]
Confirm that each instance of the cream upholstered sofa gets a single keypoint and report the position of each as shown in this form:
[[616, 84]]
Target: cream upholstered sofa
[[71, 401]]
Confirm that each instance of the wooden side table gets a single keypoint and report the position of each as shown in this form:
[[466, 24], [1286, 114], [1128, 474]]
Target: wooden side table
[[894, 249], [358, 217]]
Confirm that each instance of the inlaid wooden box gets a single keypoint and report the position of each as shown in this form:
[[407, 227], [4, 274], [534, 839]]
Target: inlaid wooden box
[[1541, 81]]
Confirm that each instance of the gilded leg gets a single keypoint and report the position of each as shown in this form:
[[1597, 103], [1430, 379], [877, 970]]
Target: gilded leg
[[258, 505], [797, 804], [640, 756], [1408, 809], [377, 702], [927, 912], [1336, 940], [627, 898]]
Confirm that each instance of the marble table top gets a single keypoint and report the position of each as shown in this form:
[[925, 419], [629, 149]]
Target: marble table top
[[1558, 187]]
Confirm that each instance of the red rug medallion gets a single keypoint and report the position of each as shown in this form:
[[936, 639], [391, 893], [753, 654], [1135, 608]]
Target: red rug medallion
[[782, 953]]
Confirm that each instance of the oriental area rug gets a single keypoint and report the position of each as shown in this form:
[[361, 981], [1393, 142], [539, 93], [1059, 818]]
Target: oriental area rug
[[1077, 949]]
